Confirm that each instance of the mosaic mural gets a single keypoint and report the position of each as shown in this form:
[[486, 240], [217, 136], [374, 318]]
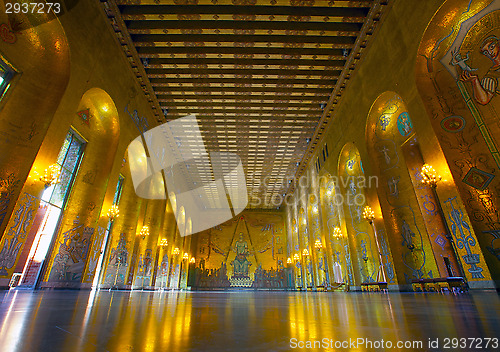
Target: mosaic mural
[[70, 259], [457, 77], [246, 252]]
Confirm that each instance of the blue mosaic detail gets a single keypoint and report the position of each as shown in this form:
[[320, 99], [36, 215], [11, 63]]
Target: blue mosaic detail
[[404, 124], [464, 239]]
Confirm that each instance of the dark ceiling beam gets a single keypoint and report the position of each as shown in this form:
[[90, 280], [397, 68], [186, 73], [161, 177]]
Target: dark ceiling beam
[[261, 72], [289, 105], [179, 99], [244, 61], [244, 25], [237, 81], [230, 38], [236, 112], [243, 10], [319, 92], [151, 50], [300, 126]]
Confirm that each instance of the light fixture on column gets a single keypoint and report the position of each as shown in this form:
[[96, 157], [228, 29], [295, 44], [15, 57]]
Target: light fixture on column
[[163, 242], [51, 175], [337, 232], [289, 260], [192, 260], [176, 251], [113, 212], [369, 215], [296, 257], [318, 245], [429, 175], [185, 256], [144, 232], [305, 252], [431, 178]]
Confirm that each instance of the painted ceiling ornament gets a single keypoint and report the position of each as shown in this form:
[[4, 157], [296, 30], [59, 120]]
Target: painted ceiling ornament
[[85, 116], [186, 2], [404, 123], [453, 124], [385, 120], [478, 179], [6, 34], [350, 164], [302, 2]]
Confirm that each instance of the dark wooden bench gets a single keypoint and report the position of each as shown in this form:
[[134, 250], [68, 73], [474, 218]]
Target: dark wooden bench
[[440, 284], [374, 287]]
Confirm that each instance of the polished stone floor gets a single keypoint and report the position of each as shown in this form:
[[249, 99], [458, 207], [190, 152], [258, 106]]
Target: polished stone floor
[[245, 321]]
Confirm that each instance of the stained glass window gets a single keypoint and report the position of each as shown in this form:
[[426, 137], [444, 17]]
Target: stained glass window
[[118, 190], [6, 74], [68, 160]]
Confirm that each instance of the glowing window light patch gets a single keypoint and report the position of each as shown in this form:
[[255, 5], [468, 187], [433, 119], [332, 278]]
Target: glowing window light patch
[[174, 147]]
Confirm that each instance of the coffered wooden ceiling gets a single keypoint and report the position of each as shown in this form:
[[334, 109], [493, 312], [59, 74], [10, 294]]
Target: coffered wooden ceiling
[[262, 76]]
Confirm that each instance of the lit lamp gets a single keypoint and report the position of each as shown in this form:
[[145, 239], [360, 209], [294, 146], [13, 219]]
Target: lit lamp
[[185, 256], [296, 257], [431, 178], [176, 251], [163, 242], [192, 260], [51, 175], [144, 232], [289, 260], [318, 245], [113, 212], [369, 215], [337, 232], [305, 252]]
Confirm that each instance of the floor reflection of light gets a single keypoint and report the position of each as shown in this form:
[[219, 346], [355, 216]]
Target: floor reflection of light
[[179, 326], [13, 326], [125, 329], [85, 325], [150, 326]]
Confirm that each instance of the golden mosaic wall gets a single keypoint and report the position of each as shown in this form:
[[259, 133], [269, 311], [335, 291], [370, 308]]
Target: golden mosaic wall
[[103, 104], [457, 65]]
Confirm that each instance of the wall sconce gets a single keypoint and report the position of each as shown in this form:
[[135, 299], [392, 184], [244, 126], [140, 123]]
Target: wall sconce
[[176, 251], [296, 257], [429, 175], [113, 212], [185, 256], [51, 175], [368, 214], [289, 260], [318, 245], [305, 252], [337, 232], [431, 178], [163, 242], [192, 260], [144, 232]]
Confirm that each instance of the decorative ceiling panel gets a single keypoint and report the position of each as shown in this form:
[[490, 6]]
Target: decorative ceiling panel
[[262, 76]]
